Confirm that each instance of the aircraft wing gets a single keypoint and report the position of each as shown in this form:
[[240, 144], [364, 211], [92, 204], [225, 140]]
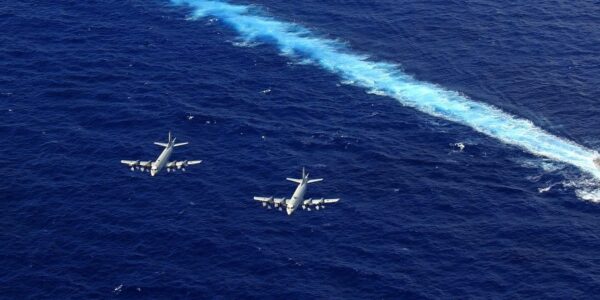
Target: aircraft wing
[[137, 163], [193, 162], [317, 202], [131, 163], [279, 201], [146, 164], [182, 164], [264, 199], [270, 200]]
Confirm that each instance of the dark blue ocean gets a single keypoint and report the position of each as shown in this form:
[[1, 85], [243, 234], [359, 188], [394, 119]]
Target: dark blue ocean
[[436, 204]]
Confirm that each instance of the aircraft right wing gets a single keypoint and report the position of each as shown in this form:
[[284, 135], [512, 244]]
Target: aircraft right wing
[[137, 164], [180, 165], [131, 163], [271, 201]]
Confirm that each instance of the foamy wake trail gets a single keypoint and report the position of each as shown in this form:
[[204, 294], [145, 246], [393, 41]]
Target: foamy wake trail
[[387, 79]]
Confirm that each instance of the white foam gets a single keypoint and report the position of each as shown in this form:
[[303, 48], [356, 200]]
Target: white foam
[[376, 92], [460, 146], [245, 44], [117, 290], [543, 190], [550, 166], [592, 195], [585, 188]]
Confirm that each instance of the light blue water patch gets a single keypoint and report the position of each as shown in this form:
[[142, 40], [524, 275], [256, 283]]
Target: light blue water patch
[[387, 79]]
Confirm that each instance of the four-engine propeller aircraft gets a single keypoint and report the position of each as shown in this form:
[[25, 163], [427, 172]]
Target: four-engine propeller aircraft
[[297, 198], [162, 160]]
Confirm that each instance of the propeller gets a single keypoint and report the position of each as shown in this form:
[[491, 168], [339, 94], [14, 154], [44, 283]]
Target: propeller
[[280, 209], [168, 170], [317, 207], [308, 208], [264, 204], [183, 169], [268, 206], [303, 207], [132, 169]]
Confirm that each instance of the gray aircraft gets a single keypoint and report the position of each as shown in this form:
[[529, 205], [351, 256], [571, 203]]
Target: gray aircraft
[[162, 161], [297, 198]]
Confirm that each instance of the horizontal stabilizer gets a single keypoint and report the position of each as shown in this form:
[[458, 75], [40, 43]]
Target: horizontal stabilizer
[[294, 180], [161, 144], [180, 144], [315, 180]]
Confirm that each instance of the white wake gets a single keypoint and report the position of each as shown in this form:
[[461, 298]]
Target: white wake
[[388, 80]]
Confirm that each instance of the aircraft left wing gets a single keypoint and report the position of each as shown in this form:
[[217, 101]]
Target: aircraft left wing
[[318, 203], [180, 165]]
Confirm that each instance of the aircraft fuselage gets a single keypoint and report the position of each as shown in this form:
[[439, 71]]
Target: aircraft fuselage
[[162, 159], [297, 197]]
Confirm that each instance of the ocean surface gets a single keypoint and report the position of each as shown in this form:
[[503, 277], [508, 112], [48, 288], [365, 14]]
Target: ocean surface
[[459, 136]]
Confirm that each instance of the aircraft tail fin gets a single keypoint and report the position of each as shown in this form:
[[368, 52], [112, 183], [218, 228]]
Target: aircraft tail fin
[[304, 178], [165, 144]]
